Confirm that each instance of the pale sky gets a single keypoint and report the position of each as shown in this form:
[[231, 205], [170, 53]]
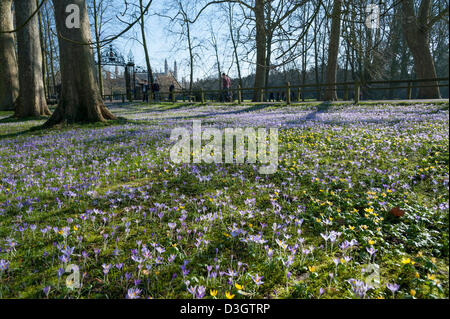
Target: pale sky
[[162, 44]]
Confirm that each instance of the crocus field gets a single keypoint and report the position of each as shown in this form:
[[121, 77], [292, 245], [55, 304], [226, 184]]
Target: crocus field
[[356, 186]]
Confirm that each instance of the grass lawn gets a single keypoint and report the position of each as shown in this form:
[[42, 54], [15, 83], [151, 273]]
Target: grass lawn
[[107, 199]]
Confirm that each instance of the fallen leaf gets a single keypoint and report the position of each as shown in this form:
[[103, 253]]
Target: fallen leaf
[[396, 212]]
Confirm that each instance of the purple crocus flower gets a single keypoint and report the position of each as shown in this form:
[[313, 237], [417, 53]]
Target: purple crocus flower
[[321, 291], [133, 293], [172, 225], [393, 287], [359, 287], [106, 268], [201, 292], [46, 290], [60, 272], [192, 290], [257, 279], [3, 265]]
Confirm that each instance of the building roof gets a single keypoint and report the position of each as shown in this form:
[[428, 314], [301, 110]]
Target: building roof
[[164, 80]]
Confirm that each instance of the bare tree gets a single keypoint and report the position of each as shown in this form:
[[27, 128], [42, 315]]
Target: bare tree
[[235, 37], [144, 42], [50, 50], [181, 25], [214, 44], [98, 11]]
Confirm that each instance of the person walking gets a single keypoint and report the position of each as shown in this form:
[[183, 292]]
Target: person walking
[[155, 90], [145, 93], [226, 84], [172, 92], [271, 97]]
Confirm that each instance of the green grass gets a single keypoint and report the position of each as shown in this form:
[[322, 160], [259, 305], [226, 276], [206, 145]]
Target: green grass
[[334, 177]]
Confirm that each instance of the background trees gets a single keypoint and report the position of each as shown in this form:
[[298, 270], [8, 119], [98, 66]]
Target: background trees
[[259, 43]]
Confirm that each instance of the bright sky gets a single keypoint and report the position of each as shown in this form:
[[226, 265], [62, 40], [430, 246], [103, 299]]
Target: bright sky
[[162, 44]]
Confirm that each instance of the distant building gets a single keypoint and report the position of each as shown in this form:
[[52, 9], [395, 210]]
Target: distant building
[[114, 80], [165, 79]]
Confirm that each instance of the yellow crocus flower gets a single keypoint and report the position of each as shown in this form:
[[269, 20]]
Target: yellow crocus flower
[[229, 295], [406, 261], [213, 292]]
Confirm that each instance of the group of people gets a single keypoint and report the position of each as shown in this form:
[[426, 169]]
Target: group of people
[[281, 96], [155, 88], [226, 96]]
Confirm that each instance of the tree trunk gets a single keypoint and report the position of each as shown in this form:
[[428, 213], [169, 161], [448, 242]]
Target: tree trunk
[[81, 100], [417, 35], [233, 41], [304, 59], [150, 78], [43, 50], [191, 57], [45, 57], [394, 46], [216, 52], [333, 51], [260, 75], [50, 52], [9, 82], [98, 49], [268, 58], [316, 55], [32, 101]]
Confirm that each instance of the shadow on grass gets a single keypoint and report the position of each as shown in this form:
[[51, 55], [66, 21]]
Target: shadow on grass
[[252, 108], [40, 129], [12, 119]]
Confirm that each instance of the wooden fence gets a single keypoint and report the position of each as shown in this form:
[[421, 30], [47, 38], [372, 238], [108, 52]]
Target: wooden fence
[[288, 93]]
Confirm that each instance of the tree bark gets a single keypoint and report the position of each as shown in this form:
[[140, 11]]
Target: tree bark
[[417, 35], [394, 47], [81, 100], [268, 59], [316, 55], [9, 81], [333, 51], [260, 75], [32, 101]]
